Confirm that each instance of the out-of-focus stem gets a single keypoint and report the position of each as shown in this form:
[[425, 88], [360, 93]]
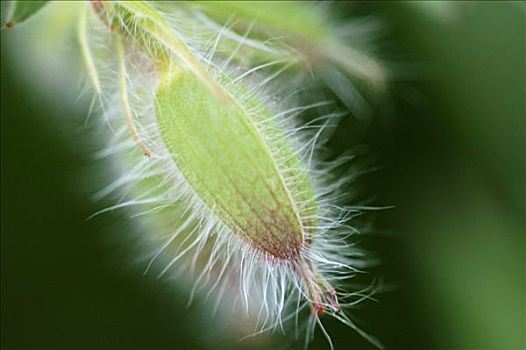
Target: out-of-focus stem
[[87, 57], [123, 93]]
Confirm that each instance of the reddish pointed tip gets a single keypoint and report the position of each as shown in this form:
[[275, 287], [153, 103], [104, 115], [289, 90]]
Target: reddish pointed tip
[[319, 309], [9, 25]]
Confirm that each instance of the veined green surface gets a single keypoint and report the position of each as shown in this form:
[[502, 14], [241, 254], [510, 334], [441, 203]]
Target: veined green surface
[[226, 161]]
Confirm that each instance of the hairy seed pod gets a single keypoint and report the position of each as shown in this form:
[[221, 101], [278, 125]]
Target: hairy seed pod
[[229, 164]]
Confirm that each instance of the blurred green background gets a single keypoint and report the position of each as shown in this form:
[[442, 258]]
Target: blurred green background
[[451, 143]]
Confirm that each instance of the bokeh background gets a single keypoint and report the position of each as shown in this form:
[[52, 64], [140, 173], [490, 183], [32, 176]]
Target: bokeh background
[[450, 141]]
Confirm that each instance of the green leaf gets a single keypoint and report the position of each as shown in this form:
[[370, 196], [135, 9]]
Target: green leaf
[[23, 10]]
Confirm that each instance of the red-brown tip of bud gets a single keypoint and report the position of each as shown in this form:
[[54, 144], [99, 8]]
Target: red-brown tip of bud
[[319, 309]]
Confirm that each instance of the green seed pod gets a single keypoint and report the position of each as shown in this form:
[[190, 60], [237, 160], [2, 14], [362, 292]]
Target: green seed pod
[[229, 164]]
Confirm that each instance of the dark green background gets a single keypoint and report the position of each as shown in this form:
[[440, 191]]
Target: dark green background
[[451, 143]]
